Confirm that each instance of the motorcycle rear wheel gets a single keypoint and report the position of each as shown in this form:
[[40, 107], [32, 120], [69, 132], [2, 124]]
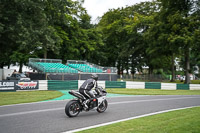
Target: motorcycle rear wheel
[[72, 108], [103, 106]]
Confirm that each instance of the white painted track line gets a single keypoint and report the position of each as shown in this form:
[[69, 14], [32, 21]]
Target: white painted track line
[[131, 118], [124, 102]]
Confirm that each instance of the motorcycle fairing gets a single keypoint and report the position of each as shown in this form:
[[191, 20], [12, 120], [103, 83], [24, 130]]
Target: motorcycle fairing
[[101, 99], [77, 94]]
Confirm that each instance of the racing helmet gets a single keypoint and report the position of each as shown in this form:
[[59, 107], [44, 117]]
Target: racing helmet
[[94, 76]]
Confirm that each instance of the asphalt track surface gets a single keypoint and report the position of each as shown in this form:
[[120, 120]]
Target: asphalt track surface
[[49, 117]]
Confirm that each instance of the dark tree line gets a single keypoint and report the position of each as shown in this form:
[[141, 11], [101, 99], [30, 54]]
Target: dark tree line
[[56, 29], [152, 34]]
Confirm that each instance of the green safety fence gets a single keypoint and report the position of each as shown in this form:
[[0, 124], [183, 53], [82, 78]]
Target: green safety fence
[[182, 86], [62, 85], [115, 84], [73, 84], [152, 85]]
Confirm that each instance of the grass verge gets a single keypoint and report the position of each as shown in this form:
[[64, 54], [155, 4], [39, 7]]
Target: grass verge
[[152, 92], [7, 98], [164, 81], [179, 82], [181, 121]]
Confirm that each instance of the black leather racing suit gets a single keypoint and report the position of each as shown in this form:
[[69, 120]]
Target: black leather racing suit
[[86, 87]]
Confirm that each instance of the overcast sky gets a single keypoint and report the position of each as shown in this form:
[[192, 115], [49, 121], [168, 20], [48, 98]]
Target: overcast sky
[[96, 8]]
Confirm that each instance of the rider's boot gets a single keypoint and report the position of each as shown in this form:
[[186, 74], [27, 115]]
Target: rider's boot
[[85, 104]]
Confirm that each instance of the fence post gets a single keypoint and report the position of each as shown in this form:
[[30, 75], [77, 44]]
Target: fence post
[[79, 76], [63, 76]]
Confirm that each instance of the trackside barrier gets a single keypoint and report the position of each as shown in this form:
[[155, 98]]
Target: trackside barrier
[[182, 86], [135, 85], [115, 84], [168, 86], [194, 86], [6, 85], [43, 85], [100, 83], [80, 82], [75, 84], [152, 85], [62, 85], [18, 85]]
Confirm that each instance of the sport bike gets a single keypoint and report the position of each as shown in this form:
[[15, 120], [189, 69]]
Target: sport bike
[[75, 106]]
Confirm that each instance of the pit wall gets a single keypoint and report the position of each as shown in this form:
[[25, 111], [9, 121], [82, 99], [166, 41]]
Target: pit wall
[[13, 85]]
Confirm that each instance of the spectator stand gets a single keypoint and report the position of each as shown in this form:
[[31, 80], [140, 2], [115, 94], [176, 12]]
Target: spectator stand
[[50, 66], [87, 67], [53, 69]]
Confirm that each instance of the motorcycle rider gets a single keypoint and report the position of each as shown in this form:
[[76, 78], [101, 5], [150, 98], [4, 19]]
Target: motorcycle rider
[[86, 87]]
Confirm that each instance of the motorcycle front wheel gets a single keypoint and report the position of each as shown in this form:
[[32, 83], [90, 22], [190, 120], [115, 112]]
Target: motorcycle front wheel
[[103, 106], [72, 108]]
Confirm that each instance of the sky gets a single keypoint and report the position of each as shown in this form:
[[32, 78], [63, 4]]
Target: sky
[[96, 8]]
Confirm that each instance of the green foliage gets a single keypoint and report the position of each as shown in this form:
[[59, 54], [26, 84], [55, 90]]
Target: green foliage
[[124, 35], [35, 28], [149, 34]]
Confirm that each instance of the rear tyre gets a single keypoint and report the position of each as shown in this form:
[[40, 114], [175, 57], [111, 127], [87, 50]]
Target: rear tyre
[[103, 106], [72, 108]]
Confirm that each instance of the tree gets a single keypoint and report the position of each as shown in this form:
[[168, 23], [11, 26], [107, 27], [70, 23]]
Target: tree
[[29, 28], [123, 31], [183, 25], [17, 31]]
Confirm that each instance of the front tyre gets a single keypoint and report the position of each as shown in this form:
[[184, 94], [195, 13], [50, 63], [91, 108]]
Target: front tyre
[[103, 106], [72, 108]]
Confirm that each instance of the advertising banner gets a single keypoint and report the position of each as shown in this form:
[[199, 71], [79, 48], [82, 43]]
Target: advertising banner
[[7, 85], [27, 85]]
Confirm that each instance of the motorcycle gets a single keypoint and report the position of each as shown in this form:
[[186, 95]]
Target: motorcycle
[[75, 106]]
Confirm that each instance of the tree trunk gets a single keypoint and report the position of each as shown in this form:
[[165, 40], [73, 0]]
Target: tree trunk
[[1, 65], [122, 69], [132, 66], [118, 67], [9, 65], [172, 68], [20, 67], [150, 72], [187, 66], [199, 71], [45, 54], [127, 67], [132, 70]]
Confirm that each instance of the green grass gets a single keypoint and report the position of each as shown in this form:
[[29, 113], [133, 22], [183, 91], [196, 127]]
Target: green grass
[[181, 121], [7, 98], [195, 81], [179, 82], [176, 81], [165, 81], [152, 92]]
